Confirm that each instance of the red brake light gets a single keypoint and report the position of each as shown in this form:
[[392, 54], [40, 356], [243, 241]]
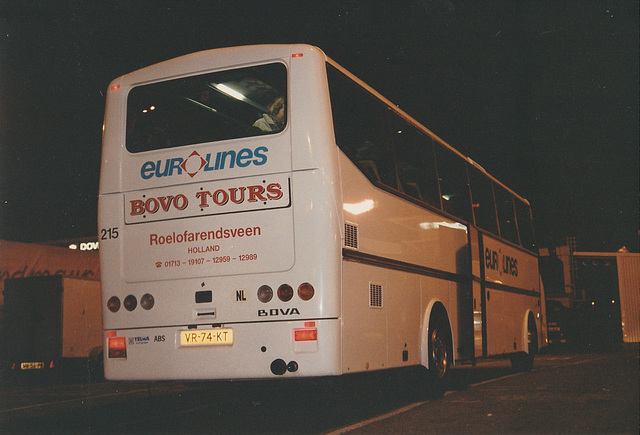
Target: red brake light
[[297, 55]]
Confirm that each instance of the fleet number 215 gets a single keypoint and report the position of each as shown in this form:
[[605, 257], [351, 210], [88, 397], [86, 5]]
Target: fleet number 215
[[109, 233]]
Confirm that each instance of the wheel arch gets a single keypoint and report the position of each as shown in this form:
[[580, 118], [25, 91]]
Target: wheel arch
[[530, 319]]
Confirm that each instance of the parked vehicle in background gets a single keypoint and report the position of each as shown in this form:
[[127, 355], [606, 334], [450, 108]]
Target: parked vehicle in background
[[52, 324]]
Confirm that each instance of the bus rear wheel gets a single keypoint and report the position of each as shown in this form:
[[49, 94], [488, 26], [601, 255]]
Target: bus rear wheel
[[439, 353]]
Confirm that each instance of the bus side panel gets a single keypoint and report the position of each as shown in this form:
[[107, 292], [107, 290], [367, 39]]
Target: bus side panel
[[364, 336], [403, 306], [383, 310], [392, 228], [512, 291]]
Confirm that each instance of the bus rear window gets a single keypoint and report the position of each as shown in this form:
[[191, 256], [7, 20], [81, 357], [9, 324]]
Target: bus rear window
[[207, 108]]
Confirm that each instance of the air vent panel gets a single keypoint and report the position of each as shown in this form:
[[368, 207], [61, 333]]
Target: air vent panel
[[350, 235], [375, 295]]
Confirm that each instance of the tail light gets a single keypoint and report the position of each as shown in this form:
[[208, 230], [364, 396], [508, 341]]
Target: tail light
[[305, 334], [113, 304], [305, 291], [130, 303], [117, 347], [265, 293], [147, 301], [305, 339], [285, 292]]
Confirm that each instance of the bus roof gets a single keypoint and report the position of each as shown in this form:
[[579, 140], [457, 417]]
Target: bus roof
[[235, 56], [417, 124]]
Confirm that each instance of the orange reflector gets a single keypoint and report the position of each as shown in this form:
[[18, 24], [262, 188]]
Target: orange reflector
[[51, 365], [309, 324], [297, 55], [305, 334], [114, 88], [111, 333]]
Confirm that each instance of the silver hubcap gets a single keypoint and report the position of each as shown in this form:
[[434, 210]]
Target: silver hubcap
[[439, 354]]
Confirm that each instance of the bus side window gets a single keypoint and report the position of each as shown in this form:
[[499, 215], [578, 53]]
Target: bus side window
[[506, 215], [416, 164], [454, 187], [483, 204], [361, 126], [525, 225]]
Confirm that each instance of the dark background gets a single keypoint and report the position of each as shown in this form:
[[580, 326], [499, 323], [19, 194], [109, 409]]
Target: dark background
[[542, 94]]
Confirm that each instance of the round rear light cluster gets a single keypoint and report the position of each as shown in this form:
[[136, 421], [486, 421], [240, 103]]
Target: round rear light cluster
[[285, 292], [130, 303]]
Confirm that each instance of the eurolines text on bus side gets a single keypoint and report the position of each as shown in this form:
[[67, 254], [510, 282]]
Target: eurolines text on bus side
[[196, 163]]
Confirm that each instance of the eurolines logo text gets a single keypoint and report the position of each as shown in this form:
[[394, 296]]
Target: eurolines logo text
[[196, 163]]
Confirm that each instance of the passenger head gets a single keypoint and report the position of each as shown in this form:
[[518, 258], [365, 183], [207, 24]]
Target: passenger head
[[276, 110]]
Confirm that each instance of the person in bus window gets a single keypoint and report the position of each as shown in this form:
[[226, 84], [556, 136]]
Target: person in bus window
[[274, 120]]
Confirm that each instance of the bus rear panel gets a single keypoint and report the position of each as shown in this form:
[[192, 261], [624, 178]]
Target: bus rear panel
[[215, 241]]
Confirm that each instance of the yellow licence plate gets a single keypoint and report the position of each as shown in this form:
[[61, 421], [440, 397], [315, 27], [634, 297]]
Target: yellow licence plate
[[206, 337], [31, 366]]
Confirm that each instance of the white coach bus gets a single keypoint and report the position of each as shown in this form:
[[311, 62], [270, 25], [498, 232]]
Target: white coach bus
[[264, 213]]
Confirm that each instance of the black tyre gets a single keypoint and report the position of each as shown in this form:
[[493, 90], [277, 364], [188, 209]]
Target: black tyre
[[440, 352]]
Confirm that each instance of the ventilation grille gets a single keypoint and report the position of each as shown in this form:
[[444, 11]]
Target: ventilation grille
[[350, 235], [375, 295]]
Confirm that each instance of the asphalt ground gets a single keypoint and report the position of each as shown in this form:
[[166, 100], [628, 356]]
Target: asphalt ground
[[564, 393]]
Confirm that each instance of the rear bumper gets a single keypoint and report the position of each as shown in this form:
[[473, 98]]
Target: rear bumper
[[259, 350]]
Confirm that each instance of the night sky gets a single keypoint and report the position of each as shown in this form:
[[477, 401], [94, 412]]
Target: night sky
[[542, 94]]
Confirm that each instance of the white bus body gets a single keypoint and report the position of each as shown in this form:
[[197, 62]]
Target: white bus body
[[194, 220]]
